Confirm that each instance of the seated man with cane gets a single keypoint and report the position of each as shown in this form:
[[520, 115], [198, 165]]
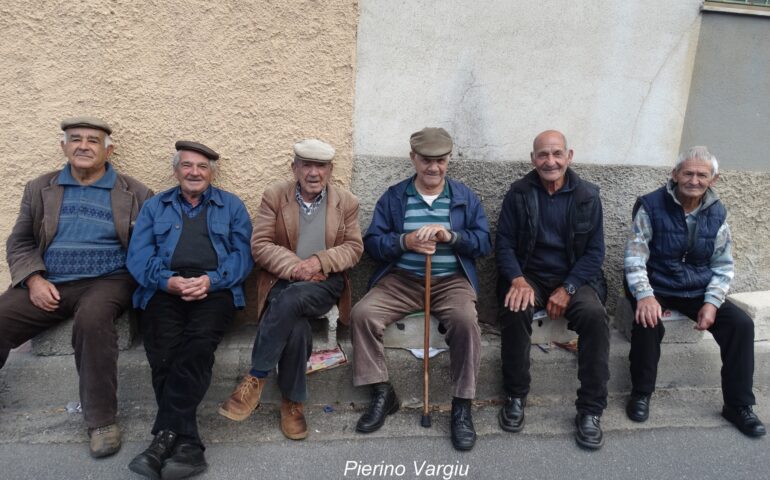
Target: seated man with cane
[[427, 214]]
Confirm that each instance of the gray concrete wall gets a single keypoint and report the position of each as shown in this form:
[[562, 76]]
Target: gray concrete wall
[[745, 194], [729, 105], [614, 76]]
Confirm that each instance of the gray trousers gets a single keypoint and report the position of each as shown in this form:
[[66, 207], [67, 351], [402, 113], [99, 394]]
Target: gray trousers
[[284, 337], [94, 304], [453, 303]]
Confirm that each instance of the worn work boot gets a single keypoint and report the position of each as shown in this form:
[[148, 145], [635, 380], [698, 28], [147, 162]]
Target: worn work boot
[[186, 461], [105, 441], [244, 400], [384, 402], [150, 461], [293, 424]]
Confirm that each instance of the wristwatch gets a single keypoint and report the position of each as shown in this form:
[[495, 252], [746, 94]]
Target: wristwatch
[[569, 288]]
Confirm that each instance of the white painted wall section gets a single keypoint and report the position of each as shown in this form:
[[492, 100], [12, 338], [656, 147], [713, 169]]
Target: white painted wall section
[[614, 76]]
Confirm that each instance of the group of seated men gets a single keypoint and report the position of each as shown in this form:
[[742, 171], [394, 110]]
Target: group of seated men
[[89, 242]]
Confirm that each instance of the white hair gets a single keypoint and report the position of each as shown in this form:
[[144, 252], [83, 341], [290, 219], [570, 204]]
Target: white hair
[[698, 153], [178, 156], [107, 139]]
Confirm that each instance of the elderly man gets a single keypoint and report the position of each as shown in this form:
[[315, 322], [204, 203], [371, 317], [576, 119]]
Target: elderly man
[[549, 249], [306, 236], [67, 255], [426, 214], [190, 256], [679, 256]]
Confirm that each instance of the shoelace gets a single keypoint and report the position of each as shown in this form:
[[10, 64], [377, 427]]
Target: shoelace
[[245, 387], [294, 408], [102, 430], [746, 413]]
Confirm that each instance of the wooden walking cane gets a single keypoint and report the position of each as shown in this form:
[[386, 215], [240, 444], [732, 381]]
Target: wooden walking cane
[[425, 420]]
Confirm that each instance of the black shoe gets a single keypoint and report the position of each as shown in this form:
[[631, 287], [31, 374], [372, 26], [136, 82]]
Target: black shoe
[[187, 460], [384, 402], [638, 407], [463, 433], [745, 419], [150, 461], [589, 431], [511, 416]]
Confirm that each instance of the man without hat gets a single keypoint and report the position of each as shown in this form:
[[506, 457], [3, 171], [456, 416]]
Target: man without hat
[[549, 251], [679, 256], [306, 237], [426, 214], [67, 255], [190, 256]]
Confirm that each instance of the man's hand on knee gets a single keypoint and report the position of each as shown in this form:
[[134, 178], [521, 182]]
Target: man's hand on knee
[[648, 312], [520, 296], [42, 293], [557, 303], [707, 315]]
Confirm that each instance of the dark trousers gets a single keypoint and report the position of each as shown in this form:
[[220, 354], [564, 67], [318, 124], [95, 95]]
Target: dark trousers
[[94, 304], [284, 337], [180, 339], [586, 316], [733, 331]]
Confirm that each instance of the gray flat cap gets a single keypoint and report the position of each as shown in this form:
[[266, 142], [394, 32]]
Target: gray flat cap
[[314, 150], [197, 147], [431, 142], [86, 122]]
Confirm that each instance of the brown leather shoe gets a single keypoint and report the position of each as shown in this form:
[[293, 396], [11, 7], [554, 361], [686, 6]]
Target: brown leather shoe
[[244, 399], [105, 440], [293, 423]]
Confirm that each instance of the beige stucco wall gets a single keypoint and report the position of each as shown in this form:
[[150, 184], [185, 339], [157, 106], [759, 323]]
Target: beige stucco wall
[[248, 78]]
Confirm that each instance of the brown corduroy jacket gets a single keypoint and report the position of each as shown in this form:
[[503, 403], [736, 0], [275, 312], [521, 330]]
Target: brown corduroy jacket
[[38, 220], [276, 230]]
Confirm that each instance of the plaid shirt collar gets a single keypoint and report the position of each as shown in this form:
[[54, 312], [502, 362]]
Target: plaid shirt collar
[[308, 209]]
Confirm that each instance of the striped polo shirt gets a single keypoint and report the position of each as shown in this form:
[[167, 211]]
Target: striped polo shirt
[[418, 214]]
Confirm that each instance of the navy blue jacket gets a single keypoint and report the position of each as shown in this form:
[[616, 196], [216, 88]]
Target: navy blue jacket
[[466, 218], [517, 233], [675, 268]]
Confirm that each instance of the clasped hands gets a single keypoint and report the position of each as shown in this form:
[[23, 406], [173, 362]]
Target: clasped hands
[[308, 270], [424, 239], [190, 289]]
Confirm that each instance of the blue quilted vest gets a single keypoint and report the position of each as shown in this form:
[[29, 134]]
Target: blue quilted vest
[[674, 269]]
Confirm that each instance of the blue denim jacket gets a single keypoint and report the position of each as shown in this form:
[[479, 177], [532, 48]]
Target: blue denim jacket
[[466, 217], [156, 234]]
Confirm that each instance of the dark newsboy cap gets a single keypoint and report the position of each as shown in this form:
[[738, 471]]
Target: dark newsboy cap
[[197, 147], [431, 142], [86, 122]]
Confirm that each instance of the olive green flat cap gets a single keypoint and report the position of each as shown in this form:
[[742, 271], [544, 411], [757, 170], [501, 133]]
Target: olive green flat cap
[[314, 150], [197, 147], [86, 122], [431, 142]]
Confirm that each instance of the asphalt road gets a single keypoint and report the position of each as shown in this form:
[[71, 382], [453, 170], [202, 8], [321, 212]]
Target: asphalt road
[[665, 453]]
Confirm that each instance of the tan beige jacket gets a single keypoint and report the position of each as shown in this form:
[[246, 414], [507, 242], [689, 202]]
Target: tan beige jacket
[[276, 230], [38, 220]]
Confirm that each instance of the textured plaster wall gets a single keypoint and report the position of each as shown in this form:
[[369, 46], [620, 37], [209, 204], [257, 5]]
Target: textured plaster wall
[[247, 78], [729, 106], [613, 75], [746, 196]]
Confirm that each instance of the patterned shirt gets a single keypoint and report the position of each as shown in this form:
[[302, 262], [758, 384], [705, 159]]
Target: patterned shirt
[[86, 244], [187, 207], [311, 207], [419, 213], [637, 253]]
